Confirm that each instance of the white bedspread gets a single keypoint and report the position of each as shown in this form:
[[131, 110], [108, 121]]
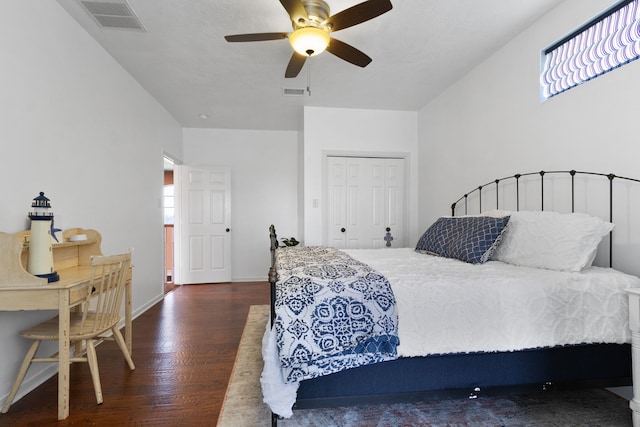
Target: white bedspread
[[448, 306]]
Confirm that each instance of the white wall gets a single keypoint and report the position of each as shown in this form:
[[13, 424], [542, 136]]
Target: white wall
[[264, 189], [353, 131], [491, 123], [75, 125]]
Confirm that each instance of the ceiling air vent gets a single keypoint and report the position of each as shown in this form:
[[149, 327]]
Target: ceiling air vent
[[292, 92], [116, 14]]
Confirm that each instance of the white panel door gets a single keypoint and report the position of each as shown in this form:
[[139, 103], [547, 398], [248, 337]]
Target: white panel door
[[394, 202], [337, 201], [205, 225], [375, 185], [357, 204], [365, 196]]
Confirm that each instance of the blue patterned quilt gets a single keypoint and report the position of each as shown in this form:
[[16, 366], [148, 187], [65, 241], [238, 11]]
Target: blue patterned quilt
[[332, 313]]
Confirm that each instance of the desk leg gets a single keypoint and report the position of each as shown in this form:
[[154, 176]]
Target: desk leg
[[128, 321], [63, 354]]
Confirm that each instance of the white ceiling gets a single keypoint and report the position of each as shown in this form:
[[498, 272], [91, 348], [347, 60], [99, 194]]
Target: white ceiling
[[418, 48]]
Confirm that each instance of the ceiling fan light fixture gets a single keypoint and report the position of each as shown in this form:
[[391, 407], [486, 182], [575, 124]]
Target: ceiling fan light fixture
[[309, 41]]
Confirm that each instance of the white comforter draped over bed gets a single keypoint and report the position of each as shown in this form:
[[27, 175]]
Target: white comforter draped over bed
[[497, 306], [448, 306]]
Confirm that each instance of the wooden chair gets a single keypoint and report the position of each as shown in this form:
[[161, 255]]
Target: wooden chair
[[100, 313]]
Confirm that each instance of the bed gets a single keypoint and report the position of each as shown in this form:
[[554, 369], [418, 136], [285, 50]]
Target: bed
[[479, 306]]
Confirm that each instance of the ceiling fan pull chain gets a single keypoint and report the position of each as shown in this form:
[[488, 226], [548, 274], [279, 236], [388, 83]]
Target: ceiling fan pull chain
[[309, 76]]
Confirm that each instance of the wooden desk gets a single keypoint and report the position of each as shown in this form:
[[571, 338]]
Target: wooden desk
[[20, 291]]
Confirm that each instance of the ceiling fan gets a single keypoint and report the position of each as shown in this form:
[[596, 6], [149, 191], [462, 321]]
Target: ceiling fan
[[312, 28]]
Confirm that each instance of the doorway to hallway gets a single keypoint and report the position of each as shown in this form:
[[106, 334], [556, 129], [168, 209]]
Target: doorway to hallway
[[168, 205]]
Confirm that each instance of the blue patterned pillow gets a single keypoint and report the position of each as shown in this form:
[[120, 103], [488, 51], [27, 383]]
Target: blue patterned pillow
[[470, 239], [434, 240]]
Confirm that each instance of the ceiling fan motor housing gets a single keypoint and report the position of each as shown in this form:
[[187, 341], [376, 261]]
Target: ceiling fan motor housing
[[318, 12]]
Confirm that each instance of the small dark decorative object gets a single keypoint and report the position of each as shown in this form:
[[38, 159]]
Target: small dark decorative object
[[291, 241], [388, 237]]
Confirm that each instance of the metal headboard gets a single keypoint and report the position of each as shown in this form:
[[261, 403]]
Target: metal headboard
[[495, 186], [273, 274]]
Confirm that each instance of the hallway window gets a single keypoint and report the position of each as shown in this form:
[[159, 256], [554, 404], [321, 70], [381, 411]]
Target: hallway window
[[608, 41], [169, 204]]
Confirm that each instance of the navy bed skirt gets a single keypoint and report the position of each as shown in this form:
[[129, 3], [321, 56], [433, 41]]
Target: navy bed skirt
[[460, 375]]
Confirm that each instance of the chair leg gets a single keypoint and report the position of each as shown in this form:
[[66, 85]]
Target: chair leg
[[21, 373], [123, 347], [92, 360]]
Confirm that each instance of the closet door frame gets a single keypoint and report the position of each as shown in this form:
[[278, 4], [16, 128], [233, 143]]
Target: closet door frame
[[404, 156]]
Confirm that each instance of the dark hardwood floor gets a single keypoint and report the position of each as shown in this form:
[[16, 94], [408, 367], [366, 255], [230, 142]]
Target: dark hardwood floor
[[184, 349]]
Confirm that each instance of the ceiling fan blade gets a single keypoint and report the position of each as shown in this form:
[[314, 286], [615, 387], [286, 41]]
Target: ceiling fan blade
[[348, 53], [295, 65], [295, 9], [256, 37], [359, 13]]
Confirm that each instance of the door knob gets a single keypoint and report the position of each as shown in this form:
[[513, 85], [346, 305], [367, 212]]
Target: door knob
[[343, 229], [227, 230]]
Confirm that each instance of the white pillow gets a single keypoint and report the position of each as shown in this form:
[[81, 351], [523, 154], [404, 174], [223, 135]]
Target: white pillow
[[551, 240], [496, 213]]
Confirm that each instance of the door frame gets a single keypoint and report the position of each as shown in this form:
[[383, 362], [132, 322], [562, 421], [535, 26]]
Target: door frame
[[176, 163], [405, 156]]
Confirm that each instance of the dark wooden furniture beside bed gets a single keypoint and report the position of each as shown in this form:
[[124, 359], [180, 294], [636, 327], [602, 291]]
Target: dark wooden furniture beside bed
[[472, 375]]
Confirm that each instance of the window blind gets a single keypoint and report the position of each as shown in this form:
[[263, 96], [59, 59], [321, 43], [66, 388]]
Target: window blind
[[603, 44]]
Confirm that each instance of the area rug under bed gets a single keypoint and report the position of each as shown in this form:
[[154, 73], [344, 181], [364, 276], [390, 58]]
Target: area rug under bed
[[243, 404]]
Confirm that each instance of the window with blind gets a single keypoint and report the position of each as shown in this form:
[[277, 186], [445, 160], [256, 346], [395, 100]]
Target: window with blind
[[606, 42]]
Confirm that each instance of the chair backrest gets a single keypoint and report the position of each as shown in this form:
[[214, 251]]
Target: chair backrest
[[108, 278]]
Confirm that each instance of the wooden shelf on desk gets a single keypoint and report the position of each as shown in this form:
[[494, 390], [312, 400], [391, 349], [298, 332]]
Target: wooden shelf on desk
[[64, 244], [67, 255]]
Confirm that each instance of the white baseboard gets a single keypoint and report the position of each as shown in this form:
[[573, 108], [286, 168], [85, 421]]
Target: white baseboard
[[250, 279], [32, 381], [137, 312]]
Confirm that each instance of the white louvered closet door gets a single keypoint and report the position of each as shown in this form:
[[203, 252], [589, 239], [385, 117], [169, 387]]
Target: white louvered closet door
[[365, 196]]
